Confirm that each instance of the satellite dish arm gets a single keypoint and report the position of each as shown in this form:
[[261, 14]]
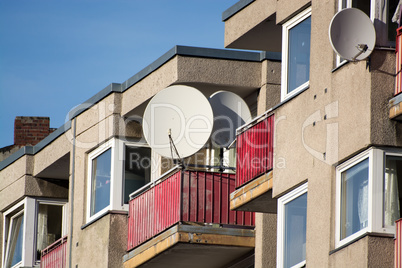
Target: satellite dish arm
[[173, 147], [362, 48]]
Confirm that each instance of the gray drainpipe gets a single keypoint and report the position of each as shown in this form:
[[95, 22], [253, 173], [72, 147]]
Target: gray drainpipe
[[72, 194]]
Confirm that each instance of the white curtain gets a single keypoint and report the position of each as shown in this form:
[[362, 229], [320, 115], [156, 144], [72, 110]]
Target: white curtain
[[363, 204], [391, 198], [396, 18], [42, 235]]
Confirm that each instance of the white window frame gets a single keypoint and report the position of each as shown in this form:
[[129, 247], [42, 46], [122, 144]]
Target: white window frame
[[285, 52], [111, 144], [64, 223], [155, 171], [375, 193], [382, 162], [282, 201], [28, 206], [116, 201]]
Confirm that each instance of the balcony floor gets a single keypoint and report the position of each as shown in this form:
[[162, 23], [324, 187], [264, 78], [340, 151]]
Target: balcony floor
[[395, 108], [255, 196], [193, 246]]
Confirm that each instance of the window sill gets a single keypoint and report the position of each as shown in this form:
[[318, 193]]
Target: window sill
[[290, 98], [384, 235], [340, 66], [122, 212]]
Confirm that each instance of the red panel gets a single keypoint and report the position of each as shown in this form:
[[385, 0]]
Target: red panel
[[398, 244], [255, 151], [398, 64], [154, 211], [54, 256], [206, 199], [191, 196]]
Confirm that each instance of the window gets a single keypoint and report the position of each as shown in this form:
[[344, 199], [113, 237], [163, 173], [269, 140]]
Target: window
[[292, 220], [221, 157], [296, 54], [14, 240], [116, 169], [354, 199], [100, 181], [137, 171], [50, 226], [368, 187], [29, 227], [392, 189]]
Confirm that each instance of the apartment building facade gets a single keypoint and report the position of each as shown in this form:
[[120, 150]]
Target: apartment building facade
[[318, 169]]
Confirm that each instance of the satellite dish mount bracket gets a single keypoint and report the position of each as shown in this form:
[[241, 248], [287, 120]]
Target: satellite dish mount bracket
[[173, 148]]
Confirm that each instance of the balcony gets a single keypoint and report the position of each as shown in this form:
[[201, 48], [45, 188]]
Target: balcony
[[254, 167], [395, 103], [54, 256], [184, 220]]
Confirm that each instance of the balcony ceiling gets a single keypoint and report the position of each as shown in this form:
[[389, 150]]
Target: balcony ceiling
[[184, 255], [207, 90], [196, 246], [265, 36], [60, 169]]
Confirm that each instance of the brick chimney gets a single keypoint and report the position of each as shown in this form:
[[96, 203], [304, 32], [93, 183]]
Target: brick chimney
[[30, 130]]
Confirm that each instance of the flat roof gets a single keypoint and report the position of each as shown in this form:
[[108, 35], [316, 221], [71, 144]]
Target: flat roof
[[201, 52]]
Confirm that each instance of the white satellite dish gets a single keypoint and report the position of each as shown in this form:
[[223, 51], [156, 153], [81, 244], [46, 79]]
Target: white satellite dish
[[180, 116], [352, 34], [230, 112]]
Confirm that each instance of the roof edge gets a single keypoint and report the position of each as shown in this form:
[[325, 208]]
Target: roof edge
[[79, 109], [51, 137], [268, 55], [26, 150], [119, 88], [231, 11], [32, 150]]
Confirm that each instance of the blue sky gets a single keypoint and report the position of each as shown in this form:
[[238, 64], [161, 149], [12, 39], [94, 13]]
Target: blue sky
[[55, 55]]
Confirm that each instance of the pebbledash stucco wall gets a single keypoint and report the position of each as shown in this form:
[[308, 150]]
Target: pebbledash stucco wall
[[343, 112], [17, 181], [103, 243]]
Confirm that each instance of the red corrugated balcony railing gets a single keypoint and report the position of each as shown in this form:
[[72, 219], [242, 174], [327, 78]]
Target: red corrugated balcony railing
[[54, 256], [183, 196], [398, 64], [254, 149], [398, 244]]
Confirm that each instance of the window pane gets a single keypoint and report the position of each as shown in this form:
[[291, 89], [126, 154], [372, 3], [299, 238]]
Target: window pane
[[354, 199], [295, 231], [363, 5], [49, 226], [344, 4], [100, 182], [137, 170], [14, 245], [392, 26], [299, 54], [392, 188]]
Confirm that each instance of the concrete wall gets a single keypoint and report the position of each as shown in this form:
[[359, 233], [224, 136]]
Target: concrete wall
[[383, 131], [94, 126], [103, 242], [249, 17], [285, 9], [341, 113], [16, 182], [370, 251], [270, 91], [265, 240]]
